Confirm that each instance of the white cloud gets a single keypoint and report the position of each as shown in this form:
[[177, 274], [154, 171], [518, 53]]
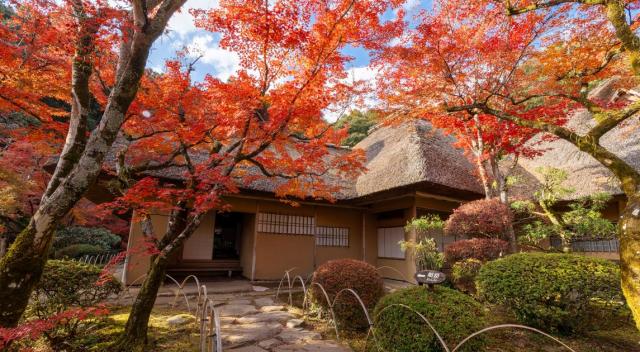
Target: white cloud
[[224, 62], [364, 73], [410, 5], [367, 75], [182, 22]]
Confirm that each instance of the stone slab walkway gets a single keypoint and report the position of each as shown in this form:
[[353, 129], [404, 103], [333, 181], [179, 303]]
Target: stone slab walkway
[[258, 324]]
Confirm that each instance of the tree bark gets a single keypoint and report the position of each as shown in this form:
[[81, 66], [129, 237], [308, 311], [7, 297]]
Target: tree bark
[[3, 246], [134, 337], [22, 267], [630, 255], [502, 189]]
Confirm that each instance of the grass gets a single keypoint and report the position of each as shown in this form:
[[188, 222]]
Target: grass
[[162, 337]]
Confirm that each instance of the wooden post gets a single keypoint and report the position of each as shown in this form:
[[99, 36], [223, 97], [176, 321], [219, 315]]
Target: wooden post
[[255, 242]]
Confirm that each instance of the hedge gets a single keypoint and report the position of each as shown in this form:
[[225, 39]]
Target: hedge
[[98, 237], [552, 291]]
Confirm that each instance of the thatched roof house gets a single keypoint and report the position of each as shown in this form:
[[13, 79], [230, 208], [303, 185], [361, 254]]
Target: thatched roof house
[[412, 170]]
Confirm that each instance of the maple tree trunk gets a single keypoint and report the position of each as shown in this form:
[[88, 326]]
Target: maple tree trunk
[[22, 267], [484, 178], [630, 254], [134, 337], [3, 246]]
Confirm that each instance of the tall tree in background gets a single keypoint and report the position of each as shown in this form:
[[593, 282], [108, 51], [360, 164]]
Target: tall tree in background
[[359, 124], [48, 49], [266, 121], [533, 71]]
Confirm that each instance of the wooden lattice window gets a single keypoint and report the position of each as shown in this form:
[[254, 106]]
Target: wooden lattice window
[[388, 242], [286, 224], [327, 236]]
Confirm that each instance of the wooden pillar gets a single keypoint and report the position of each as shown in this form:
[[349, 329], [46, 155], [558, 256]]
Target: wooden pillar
[[255, 242]]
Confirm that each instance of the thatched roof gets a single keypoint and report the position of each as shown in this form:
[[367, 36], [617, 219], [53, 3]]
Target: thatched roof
[[248, 177], [413, 153], [397, 156], [586, 175]]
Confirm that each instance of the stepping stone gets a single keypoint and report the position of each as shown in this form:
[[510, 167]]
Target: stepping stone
[[294, 336], [248, 349], [313, 346], [271, 308], [269, 344], [264, 301], [227, 320], [246, 333], [180, 319], [239, 302], [295, 323], [237, 310], [280, 317]]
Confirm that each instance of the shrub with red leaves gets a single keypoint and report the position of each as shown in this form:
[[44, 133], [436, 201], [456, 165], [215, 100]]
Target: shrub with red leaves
[[483, 249], [480, 218], [341, 274], [35, 328]]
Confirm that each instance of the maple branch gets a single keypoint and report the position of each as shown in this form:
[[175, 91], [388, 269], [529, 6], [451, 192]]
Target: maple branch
[[106, 90], [139, 9], [608, 58], [21, 107], [317, 136], [629, 177], [81, 70], [268, 173], [615, 11], [608, 121], [547, 4], [131, 138]]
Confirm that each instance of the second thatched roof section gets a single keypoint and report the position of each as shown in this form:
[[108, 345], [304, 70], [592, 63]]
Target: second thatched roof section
[[414, 153], [585, 174]]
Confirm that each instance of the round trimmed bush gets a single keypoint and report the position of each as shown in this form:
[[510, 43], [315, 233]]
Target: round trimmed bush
[[480, 218], [552, 291], [340, 274], [482, 249], [453, 314], [463, 274]]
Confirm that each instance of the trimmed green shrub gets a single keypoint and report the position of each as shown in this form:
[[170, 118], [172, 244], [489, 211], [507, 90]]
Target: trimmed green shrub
[[76, 251], [94, 236], [340, 274], [552, 291], [483, 249], [67, 285], [463, 274], [453, 314]]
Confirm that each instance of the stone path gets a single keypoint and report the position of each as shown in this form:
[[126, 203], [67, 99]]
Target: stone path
[[258, 324]]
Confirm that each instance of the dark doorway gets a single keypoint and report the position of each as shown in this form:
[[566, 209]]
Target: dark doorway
[[226, 236]]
